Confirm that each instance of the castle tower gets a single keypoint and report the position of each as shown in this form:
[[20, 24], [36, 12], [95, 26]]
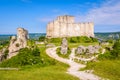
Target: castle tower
[[65, 26]]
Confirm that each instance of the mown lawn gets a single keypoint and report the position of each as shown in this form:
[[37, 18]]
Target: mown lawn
[[108, 69]]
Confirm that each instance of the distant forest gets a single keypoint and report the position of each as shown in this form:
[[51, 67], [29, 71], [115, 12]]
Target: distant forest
[[35, 36]]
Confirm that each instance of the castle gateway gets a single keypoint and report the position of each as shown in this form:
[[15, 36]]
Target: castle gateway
[[65, 26]]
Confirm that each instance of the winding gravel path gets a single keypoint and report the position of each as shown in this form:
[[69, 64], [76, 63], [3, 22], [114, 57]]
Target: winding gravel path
[[74, 67]]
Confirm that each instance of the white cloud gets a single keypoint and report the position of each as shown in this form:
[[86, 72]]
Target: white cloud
[[107, 14]]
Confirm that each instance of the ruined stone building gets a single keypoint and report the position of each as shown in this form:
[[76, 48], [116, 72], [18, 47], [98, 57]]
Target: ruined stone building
[[65, 26]]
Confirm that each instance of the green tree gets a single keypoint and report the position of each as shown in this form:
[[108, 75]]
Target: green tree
[[42, 38], [116, 49]]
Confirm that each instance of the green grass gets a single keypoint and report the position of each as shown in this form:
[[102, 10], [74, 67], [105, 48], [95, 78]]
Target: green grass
[[73, 45], [74, 41], [54, 72], [107, 68], [50, 69]]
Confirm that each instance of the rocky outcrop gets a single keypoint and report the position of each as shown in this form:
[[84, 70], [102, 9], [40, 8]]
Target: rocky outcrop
[[65, 26], [16, 43], [81, 50], [64, 46], [88, 50]]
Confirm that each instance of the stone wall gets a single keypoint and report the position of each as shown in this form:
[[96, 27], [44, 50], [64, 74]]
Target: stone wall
[[64, 26]]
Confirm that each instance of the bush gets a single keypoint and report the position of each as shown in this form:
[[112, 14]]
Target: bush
[[55, 40], [74, 39], [31, 43], [42, 38], [78, 39], [94, 39], [106, 56], [25, 57], [82, 39], [113, 54], [110, 41]]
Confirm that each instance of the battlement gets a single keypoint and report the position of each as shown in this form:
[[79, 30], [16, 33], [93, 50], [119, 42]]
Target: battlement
[[65, 26], [65, 19]]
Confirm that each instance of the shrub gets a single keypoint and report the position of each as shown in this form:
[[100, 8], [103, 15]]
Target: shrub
[[110, 41], [55, 40], [113, 54], [74, 40], [25, 57], [42, 38], [82, 39], [31, 43], [94, 39], [106, 56]]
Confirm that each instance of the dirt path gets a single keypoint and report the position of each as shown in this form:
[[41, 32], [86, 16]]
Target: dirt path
[[74, 67]]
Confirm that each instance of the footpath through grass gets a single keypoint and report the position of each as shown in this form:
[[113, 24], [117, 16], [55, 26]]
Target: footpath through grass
[[49, 69]]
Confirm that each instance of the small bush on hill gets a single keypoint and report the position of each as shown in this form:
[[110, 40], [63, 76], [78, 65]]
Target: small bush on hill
[[94, 39], [82, 39], [106, 56], [31, 43], [42, 38], [113, 54], [110, 41], [54, 40], [25, 57], [73, 40], [116, 48], [78, 39]]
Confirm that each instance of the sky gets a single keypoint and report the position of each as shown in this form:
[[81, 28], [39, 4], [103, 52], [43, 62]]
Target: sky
[[34, 15]]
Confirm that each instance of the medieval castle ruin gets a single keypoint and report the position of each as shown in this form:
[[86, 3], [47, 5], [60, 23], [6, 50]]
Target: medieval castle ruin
[[65, 26]]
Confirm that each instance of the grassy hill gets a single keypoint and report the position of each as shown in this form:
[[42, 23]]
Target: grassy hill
[[48, 69]]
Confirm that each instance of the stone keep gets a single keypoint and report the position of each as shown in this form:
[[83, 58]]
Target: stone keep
[[16, 43], [65, 26]]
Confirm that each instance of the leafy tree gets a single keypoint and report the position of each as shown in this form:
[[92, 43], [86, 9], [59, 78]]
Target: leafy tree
[[42, 38], [116, 49], [113, 54]]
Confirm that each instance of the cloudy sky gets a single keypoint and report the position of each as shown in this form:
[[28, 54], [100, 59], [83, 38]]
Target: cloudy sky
[[34, 15]]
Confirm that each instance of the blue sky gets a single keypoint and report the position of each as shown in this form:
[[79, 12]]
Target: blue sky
[[34, 15]]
